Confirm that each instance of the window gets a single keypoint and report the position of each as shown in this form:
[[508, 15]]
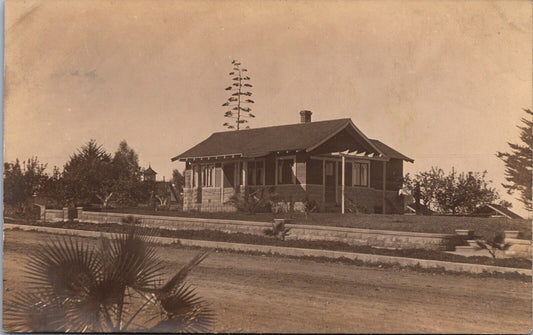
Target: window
[[256, 172], [286, 171], [360, 174], [329, 168], [208, 175]]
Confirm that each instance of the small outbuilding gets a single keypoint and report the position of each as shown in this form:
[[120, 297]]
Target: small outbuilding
[[495, 210]]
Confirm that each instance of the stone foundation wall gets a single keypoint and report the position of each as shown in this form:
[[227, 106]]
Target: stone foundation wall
[[367, 200]]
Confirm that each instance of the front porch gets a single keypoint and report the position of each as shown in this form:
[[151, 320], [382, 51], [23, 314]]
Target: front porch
[[295, 177]]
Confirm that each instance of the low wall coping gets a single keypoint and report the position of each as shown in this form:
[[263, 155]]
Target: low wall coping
[[518, 241]]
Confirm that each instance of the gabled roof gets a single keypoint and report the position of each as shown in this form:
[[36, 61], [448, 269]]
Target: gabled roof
[[497, 210], [390, 152], [149, 171], [259, 142]]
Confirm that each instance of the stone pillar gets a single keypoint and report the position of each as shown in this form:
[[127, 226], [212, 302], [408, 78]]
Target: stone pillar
[[65, 214], [79, 212], [42, 212]]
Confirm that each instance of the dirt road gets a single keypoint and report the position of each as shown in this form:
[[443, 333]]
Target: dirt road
[[272, 294]]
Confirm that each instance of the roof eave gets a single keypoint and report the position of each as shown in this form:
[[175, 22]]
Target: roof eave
[[182, 158]]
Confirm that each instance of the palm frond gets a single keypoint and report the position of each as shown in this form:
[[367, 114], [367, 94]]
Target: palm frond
[[77, 288], [130, 259], [199, 320], [64, 268], [178, 278], [33, 312]]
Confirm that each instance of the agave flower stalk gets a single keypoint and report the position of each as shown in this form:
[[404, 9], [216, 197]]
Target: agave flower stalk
[[237, 102]]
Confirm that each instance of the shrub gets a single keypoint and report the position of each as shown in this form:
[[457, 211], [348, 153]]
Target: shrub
[[260, 200], [130, 219], [278, 230], [493, 244], [75, 287]]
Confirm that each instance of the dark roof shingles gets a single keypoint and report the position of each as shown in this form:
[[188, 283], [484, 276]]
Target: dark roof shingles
[[261, 141], [390, 152]]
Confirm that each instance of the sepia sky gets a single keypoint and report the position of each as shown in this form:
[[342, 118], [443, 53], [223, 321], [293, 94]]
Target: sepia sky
[[443, 82]]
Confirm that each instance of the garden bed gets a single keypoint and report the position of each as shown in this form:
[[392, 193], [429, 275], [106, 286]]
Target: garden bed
[[213, 235]]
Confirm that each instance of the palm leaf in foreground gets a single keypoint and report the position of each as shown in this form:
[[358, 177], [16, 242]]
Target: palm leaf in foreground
[[114, 287]]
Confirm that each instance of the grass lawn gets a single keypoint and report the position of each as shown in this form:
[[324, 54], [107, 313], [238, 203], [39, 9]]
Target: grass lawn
[[483, 227]]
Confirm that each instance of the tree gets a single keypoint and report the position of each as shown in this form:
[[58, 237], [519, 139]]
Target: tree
[[497, 242], [54, 188], [423, 185], [115, 287], [455, 193], [23, 182], [519, 164], [89, 175], [238, 100], [128, 189], [461, 193], [178, 182]]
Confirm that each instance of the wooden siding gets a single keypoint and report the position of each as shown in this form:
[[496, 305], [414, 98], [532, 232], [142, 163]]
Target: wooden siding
[[301, 170], [348, 170], [314, 171], [270, 170]]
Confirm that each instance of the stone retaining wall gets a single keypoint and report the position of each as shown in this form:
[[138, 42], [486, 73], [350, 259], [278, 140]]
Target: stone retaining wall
[[53, 215], [352, 236]]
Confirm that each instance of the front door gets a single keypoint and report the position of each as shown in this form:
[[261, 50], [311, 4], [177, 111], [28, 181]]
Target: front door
[[330, 187]]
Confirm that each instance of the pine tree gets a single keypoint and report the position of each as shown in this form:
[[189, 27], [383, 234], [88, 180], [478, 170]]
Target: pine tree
[[238, 100], [518, 163]]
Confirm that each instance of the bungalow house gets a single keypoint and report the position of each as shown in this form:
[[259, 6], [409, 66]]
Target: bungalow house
[[302, 161]]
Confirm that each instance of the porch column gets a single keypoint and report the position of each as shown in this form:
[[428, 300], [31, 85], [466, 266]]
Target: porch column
[[324, 182], [221, 183], [336, 183], [275, 170], [343, 162], [244, 169], [383, 205]]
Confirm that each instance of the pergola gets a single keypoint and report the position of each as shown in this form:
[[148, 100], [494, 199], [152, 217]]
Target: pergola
[[357, 154]]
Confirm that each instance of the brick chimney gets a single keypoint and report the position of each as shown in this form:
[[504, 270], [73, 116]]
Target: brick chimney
[[305, 116]]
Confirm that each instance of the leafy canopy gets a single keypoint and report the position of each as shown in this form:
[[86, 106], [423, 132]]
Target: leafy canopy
[[455, 193]]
